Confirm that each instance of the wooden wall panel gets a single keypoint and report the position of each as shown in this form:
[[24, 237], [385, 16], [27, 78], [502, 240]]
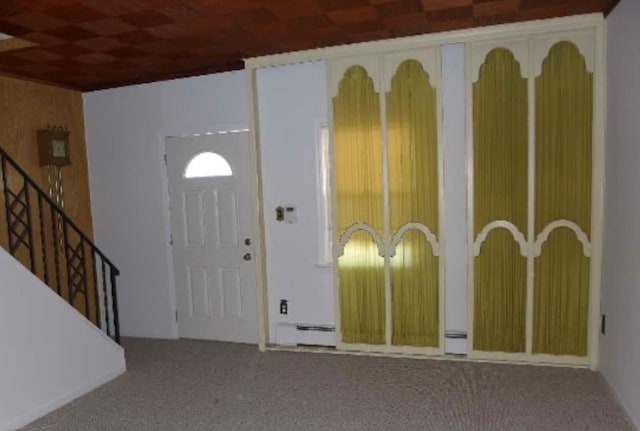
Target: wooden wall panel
[[26, 107]]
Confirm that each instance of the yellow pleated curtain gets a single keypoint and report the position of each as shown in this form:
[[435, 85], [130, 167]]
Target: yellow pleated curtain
[[500, 148], [359, 197], [413, 198], [564, 124], [412, 161]]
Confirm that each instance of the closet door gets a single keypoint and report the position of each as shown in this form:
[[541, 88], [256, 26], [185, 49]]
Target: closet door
[[563, 195], [359, 208], [533, 194], [414, 184], [387, 188], [500, 115]]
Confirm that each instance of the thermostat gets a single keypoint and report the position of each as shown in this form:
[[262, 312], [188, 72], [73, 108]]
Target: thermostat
[[287, 214], [290, 214]]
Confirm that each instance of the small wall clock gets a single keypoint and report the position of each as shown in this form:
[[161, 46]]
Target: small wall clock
[[53, 147]]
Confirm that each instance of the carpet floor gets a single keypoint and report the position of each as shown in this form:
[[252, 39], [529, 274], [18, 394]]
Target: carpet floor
[[198, 385]]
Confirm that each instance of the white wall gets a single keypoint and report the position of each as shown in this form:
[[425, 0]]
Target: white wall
[[126, 128], [292, 104], [455, 191], [292, 101], [620, 350], [49, 353]]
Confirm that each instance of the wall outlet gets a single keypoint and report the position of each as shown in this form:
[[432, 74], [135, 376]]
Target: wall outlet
[[284, 306]]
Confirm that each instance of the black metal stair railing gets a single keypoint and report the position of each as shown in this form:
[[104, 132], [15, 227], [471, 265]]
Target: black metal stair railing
[[41, 236]]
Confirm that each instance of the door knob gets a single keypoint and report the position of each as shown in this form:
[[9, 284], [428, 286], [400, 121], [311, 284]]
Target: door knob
[[247, 256]]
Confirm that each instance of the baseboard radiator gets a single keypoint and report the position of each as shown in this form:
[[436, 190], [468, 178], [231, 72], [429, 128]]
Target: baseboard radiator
[[302, 334]]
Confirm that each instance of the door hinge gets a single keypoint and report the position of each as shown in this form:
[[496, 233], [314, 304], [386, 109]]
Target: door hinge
[[171, 239], [165, 160], [176, 315]]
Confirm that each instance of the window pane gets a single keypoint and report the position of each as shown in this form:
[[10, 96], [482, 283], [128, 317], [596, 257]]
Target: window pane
[[208, 165], [326, 252]]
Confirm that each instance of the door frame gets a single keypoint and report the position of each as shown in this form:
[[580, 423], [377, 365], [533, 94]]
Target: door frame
[[563, 24]]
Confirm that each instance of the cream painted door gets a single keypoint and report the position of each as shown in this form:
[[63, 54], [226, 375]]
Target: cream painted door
[[212, 231]]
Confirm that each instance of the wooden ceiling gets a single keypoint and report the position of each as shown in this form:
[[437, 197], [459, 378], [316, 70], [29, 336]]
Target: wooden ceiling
[[95, 44]]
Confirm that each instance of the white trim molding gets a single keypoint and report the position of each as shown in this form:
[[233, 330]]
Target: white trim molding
[[338, 68], [500, 224], [428, 58], [346, 236], [429, 236], [513, 30], [584, 42], [518, 47], [529, 42], [558, 224]]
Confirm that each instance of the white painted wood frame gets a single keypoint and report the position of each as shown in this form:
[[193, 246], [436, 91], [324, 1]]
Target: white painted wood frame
[[258, 213], [505, 31]]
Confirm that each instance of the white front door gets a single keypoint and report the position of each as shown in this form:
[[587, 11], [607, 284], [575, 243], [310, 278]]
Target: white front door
[[212, 230]]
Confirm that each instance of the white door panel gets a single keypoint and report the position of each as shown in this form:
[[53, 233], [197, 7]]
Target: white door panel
[[212, 230]]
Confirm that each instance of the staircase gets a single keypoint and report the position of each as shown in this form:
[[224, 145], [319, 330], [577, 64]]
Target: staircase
[[36, 232]]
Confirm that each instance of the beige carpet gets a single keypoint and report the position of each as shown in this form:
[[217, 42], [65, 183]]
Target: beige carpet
[[195, 385]]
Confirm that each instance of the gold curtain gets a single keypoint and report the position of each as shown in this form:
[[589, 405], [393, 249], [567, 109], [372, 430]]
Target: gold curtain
[[500, 115], [564, 121], [413, 197], [500, 298], [414, 294], [561, 296], [362, 296], [358, 188]]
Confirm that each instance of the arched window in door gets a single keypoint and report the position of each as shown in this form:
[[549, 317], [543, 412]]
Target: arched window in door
[[207, 165]]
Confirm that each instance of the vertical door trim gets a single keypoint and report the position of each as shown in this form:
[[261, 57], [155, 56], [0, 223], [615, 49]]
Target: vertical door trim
[[334, 210], [258, 209], [468, 82], [597, 194], [442, 260], [386, 211], [531, 196]]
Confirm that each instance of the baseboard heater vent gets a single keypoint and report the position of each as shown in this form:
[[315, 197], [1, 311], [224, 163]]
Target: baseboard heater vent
[[315, 335], [455, 335], [455, 342], [320, 328], [303, 334]]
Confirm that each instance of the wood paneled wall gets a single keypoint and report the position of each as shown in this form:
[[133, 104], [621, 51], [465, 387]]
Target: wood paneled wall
[[26, 107]]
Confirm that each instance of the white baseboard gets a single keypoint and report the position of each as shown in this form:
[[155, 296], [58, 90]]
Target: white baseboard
[[455, 346], [43, 410]]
